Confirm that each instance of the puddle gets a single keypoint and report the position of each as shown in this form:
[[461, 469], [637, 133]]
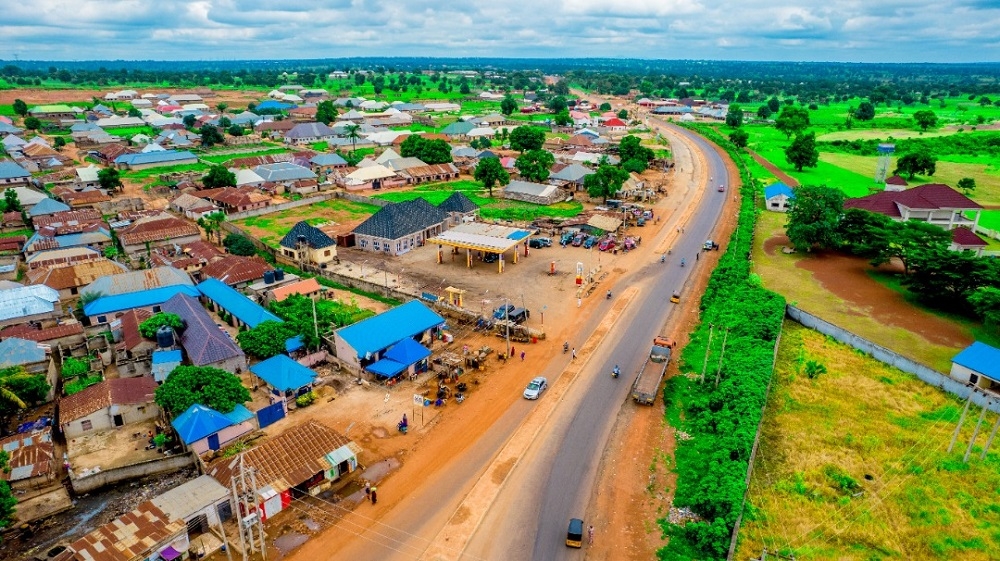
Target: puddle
[[290, 541]]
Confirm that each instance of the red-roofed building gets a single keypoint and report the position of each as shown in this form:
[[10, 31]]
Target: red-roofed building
[[964, 239], [895, 183], [107, 405], [615, 125], [144, 533], [934, 203], [237, 271], [157, 231]]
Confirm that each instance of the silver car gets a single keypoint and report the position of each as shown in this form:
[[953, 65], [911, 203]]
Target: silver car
[[535, 388]]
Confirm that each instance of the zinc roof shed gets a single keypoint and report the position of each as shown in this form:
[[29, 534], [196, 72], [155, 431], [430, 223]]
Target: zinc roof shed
[[379, 332], [27, 301], [192, 497], [140, 299], [241, 307], [16, 352], [283, 171], [981, 358], [200, 421], [283, 374]]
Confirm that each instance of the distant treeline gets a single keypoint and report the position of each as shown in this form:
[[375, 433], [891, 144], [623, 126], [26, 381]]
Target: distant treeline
[[740, 81]]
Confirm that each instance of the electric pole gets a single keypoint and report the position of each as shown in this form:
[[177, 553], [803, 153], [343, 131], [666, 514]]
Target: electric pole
[[249, 517], [718, 371], [975, 432], [708, 348], [961, 419]]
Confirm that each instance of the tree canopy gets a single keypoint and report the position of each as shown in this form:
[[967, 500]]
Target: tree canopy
[[210, 136], [266, 340], [508, 105], [326, 113], [20, 107], [211, 387], [239, 245], [534, 165], [917, 162], [865, 111], [558, 104], [925, 118], [739, 138], [149, 327], [428, 151], [490, 172], [605, 182], [110, 179], [8, 502], [802, 151], [219, 176], [11, 202], [527, 138], [967, 185], [813, 217], [734, 117], [792, 120]]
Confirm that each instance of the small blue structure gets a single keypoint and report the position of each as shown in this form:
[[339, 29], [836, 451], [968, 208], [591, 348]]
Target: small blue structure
[[365, 342], [406, 355], [777, 197], [164, 363], [978, 364], [202, 428], [286, 377]]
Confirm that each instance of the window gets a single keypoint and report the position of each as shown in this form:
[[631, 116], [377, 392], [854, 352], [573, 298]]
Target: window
[[156, 309], [973, 379], [73, 290], [326, 253], [376, 245], [87, 425], [102, 319], [141, 409]]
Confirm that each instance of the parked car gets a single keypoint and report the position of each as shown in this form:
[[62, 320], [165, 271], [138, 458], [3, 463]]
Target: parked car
[[503, 311], [640, 221], [567, 237], [574, 534], [579, 239], [589, 242], [629, 243], [535, 387], [491, 258], [539, 243], [606, 245]]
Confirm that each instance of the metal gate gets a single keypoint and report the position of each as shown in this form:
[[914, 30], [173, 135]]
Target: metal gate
[[270, 414]]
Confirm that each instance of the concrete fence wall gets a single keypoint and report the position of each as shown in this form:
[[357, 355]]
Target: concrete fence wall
[[354, 197], [166, 464], [281, 206], [892, 358]]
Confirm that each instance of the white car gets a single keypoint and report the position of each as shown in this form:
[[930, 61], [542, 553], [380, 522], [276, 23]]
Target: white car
[[535, 388]]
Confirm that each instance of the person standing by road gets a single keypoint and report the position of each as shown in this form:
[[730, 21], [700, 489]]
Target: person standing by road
[[574, 354], [522, 356], [374, 495], [590, 535]]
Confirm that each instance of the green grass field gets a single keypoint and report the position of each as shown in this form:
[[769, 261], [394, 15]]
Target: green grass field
[[153, 172], [223, 158], [852, 465], [271, 228]]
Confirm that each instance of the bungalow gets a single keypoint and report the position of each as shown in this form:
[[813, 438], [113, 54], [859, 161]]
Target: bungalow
[[247, 178], [8, 129], [155, 159], [108, 405], [144, 533], [46, 206], [308, 133], [460, 208], [615, 125], [777, 196], [192, 207], [286, 378], [364, 343], [135, 281], [241, 310], [405, 356], [119, 122], [163, 362], [12, 174], [236, 271], [69, 279], [306, 244], [310, 288], [399, 227], [107, 308], [323, 164], [31, 460], [305, 459], [895, 183], [204, 429], [240, 199], [54, 113], [156, 231], [934, 203], [26, 304], [92, 236], [86, 178], [979, 365], [964, 239], [83, 199], [429, 173], [458, 128], [203, 341], [532, 192], [202, 504], [68, 334], [284, 173], [31, 356], [571, 176]]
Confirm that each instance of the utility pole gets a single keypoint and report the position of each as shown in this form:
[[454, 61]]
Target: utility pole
[[975, 432], [708, 348], [718, 370], [316, 324], [506, 317], [989, 441], [249, 519], [954, 437]]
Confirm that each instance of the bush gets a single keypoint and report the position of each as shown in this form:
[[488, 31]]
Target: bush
[[73, 367], [149, 327], [306, 399]]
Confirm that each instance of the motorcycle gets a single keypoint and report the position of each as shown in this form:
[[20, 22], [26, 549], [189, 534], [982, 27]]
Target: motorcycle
[[566, 347], [615, 372], [402, 427], [609, 295], [682, 262]]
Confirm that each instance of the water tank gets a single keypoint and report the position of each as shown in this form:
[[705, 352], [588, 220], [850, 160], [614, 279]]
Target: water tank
[[279, 274], [268, 277], [164, 337]]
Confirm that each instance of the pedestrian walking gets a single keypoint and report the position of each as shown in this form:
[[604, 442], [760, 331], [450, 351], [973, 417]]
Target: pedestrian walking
[[590, 535], [511, 351], [574, 353], [696, 256], [368, 489], [374, 495], [522, 356]]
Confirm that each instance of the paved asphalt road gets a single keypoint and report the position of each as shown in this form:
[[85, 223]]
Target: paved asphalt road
[[574, 464]]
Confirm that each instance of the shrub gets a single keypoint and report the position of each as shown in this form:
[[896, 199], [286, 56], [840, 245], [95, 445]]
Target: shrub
[[306, 399]]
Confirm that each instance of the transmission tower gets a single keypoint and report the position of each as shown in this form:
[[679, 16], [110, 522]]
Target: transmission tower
[[251, 523]]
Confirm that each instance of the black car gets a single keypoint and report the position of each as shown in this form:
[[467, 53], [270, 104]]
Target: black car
[[491, 258], [538, 243]]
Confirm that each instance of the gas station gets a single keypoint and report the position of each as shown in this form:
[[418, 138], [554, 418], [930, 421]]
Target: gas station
[[482, 239]]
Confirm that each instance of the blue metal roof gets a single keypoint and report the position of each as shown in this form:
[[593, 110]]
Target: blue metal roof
[[377, 333], [272, 104], [198, 422], [154, 157], [283, 373], [140, 299], [16, 352], [164, 357], [10, 170], [47, 206], [239, 414], [778, 188], [386, 368], [293, 344], [241, 307], [407, 352], [164, 363], [981, 358]]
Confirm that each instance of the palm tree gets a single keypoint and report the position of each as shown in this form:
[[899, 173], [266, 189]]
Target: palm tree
[[353, 132]]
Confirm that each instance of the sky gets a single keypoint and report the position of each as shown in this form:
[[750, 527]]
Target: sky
[[808, 30]]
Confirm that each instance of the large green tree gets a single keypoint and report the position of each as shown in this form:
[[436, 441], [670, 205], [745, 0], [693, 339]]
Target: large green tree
[[326, 113], [11, 202], [985, 301], [925, 118], [20, 107], [219, 176], [630, 148], [865, 111], [911, 239], [490, 172], [210, 136], [527, 138], [865, 233], [739, 138], [508, 105], [945, 278], [802, 151], [534, 165], [149, 327], [734, 117], [239, 245], [605, 182], [212, 223], [8, 502], [265, 340], [428, 151], [967, 185], [211, 387], [917, 162], [792, 120], [32, 123], [814, 216], [558, 104], [110, 179]]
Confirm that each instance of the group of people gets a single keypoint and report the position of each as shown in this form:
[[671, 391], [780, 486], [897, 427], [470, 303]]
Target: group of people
[[371, 492]]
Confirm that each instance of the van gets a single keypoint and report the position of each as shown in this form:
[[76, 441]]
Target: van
[[574, 535]]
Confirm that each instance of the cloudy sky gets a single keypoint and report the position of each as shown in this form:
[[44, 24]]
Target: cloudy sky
[[813, 30]]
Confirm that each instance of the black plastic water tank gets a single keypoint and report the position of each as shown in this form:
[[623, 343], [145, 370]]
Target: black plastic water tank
[[279, 274], [164, 337], [268, 277]]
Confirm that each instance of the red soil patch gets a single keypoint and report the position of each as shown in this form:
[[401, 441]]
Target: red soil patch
[[847, 278]]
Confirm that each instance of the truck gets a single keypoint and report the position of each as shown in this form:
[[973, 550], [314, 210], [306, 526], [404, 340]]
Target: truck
[[647, 381]]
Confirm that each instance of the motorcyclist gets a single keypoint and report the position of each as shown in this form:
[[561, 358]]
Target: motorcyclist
[[609, 295], [663, 258], [682, 261], [616, 372], [566, 347]]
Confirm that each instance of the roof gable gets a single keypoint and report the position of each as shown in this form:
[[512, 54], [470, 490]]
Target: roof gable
[[397, 220], [376, 333], [203, 340], [283, 373], [311, 235], [458, 202], [981, 358], [117, 391]]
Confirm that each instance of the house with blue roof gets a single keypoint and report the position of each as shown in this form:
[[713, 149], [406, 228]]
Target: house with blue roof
[[286, 378], [978, 364], [202, 428], [406, 356], [47, 206], [164, 362], [242, 310], [106, 308], [367, 342], [777, 196], [146, 160], [42, 240]]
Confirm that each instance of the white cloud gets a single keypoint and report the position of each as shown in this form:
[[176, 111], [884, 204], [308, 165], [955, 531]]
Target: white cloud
[[849, 30]]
